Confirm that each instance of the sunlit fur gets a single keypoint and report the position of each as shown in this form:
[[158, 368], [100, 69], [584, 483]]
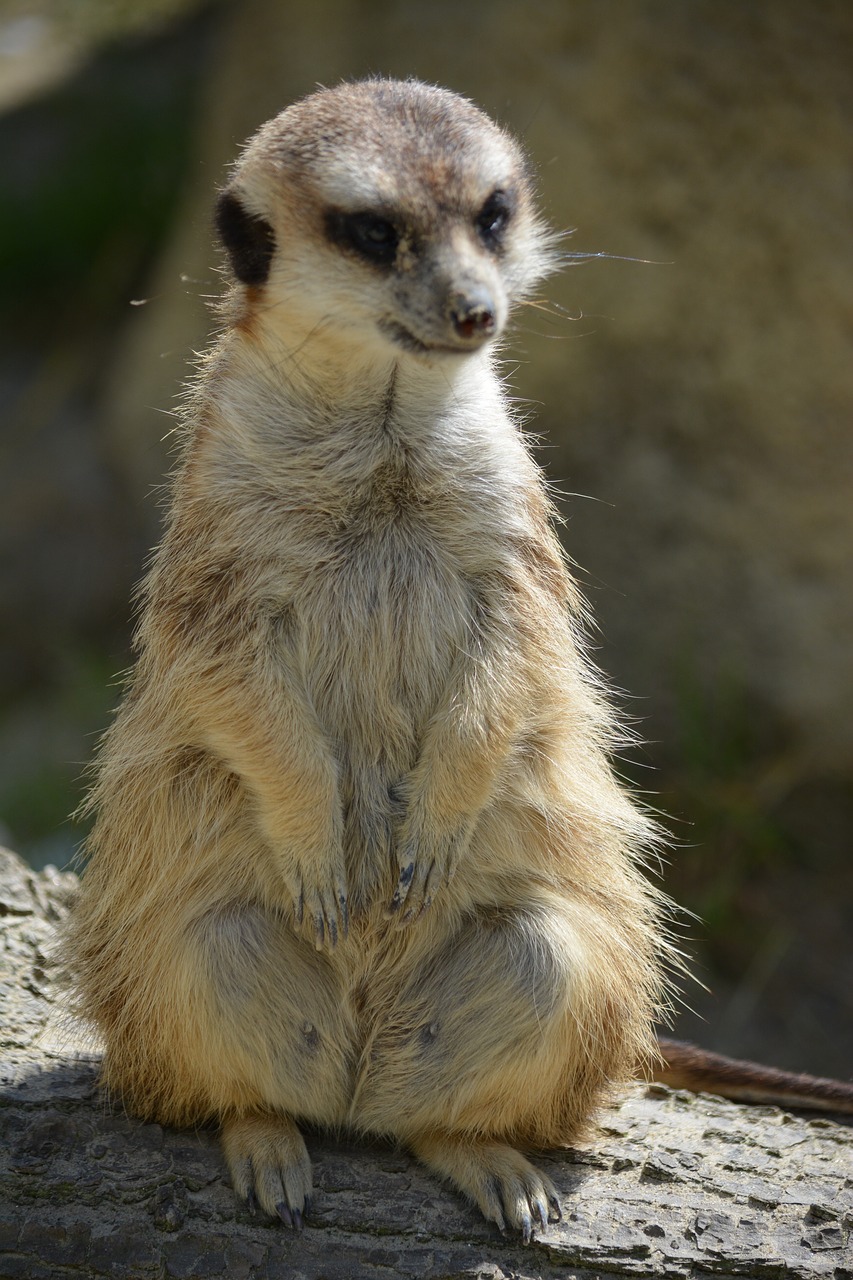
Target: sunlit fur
[[359, 650]]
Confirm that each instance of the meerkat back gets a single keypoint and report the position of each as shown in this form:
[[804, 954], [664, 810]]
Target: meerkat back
[[359, 858]]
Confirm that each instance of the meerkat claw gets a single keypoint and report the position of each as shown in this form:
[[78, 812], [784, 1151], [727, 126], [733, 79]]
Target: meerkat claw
[[402, 890]]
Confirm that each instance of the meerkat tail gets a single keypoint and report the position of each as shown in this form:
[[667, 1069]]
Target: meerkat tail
[[686, 1066]]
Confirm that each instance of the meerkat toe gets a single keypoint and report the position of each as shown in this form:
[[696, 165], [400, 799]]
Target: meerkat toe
[[508, 1189], [420, 879], [327, 916], [417, 899], [269, 1165], [524, 1195], [242, 1180], [399, 900]]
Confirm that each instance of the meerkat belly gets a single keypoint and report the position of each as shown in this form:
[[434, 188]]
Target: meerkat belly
[[379, 632]]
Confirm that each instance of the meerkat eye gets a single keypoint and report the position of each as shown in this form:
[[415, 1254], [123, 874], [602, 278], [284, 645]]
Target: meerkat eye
[[369, 234], [492, 220]]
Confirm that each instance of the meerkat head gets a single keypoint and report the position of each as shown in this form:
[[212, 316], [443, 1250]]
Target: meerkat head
[[386, 213]]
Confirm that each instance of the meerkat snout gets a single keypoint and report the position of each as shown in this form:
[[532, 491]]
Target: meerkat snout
[[472, 315]]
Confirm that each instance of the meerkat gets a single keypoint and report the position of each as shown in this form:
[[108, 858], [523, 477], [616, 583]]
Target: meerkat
[[360, 859]]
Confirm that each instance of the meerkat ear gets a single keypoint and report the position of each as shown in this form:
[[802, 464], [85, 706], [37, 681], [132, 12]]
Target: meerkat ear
[[249, 240]]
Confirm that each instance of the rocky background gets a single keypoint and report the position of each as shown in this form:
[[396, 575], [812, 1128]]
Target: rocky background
[[693, 390]]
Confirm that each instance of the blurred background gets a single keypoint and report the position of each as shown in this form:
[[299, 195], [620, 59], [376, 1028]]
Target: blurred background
[[693, 392]]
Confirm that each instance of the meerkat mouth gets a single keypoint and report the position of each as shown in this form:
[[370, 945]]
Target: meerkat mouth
[[404, 338]]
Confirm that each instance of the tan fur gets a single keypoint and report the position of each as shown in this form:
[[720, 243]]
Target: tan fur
[[360, 858]]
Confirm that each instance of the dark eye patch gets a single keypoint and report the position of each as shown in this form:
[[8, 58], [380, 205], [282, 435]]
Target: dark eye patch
[[372, 237], [249, 241], [494, 218]]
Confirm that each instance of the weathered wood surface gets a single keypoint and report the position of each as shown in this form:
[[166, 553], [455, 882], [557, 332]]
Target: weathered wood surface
[[670, 1185]]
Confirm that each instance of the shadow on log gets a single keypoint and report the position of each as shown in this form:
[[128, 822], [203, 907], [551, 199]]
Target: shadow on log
[[670, 1185]]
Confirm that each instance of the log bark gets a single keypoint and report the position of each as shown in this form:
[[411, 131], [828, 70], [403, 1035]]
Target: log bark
[[669, 1185]]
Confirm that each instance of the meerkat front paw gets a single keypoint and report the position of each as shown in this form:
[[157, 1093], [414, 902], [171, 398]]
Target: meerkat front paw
[[320, 905], [269, 1165], [427, 857]]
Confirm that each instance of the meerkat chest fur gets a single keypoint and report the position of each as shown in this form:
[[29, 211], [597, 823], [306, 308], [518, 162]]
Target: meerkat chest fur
[[372, 531], [377, 539]]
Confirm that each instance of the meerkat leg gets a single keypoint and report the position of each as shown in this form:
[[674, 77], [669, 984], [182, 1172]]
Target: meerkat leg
[[276, 1010], [509, 1027], [272, 741], [246, 707], [284, 1037], [252, 1026]]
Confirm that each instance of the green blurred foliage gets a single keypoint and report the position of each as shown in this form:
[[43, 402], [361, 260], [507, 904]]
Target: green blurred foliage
[[95, 169]]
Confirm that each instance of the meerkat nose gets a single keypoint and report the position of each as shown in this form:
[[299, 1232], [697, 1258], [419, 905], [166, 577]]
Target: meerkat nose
[[473, 314]]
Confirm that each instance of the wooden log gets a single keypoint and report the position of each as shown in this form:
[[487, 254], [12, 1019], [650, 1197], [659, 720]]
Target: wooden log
[[669, 1185]]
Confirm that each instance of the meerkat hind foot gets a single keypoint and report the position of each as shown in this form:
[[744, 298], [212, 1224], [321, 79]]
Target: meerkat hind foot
[[269, 1165], [509, 1190]]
